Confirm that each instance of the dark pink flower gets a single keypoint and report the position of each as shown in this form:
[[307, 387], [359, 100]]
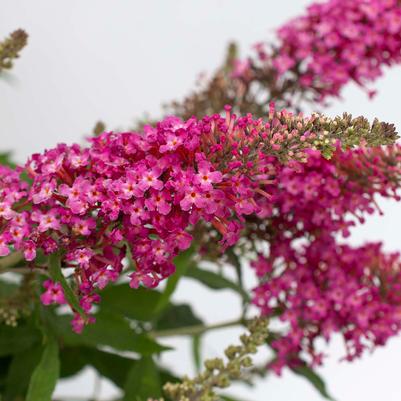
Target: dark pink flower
[[4, 248], [29, 250], [150, 179], [54, 293], [206, 177]]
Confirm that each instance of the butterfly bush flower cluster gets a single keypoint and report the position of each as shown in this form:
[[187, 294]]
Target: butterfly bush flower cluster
[[341, 41], [320, 286], [334, 43], [326, 288], [314, 56], [145, 191]]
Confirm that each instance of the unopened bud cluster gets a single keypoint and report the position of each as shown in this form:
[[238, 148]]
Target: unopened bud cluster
[[219, 372], [11, 47], [17, 305]]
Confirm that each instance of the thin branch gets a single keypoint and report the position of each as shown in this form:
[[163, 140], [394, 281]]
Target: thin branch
[[10, 260], [25, 270], [197, 329]]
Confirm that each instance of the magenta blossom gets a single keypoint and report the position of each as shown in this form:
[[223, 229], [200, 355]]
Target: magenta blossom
[[54, 293]]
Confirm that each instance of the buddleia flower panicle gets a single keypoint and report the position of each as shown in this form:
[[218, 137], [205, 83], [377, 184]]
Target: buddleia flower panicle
[[146, 191], [310, 60], [321, 285]]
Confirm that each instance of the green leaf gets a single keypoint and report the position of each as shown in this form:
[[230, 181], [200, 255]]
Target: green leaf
[[17, 339], [6, 160], [57, 275], [5, 363], [72, 361], [112, 366], [143, 381], [109, 330], [314, 379], [196, 351], [20, 372], [236, 263], [227, 398], [176, 316], [46, 374], [137, 304], [215, 281], [182, 263]]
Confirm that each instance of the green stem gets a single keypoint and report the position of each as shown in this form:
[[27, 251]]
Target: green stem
[[10, 260], [197, 329]]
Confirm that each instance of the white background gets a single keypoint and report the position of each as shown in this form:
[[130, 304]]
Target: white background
[[115, 60]]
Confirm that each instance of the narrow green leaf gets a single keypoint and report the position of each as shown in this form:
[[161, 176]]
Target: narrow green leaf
[[181, 262], [137, 304], [17, 339], [176, 316], [46, 374], [236, 263], [196, 351], [57, 275], [143, 381], [215, 281], [5, 363], [72, 361], [314, 379], [227, 398], [112, 366], [109, 330], [20, 372]]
